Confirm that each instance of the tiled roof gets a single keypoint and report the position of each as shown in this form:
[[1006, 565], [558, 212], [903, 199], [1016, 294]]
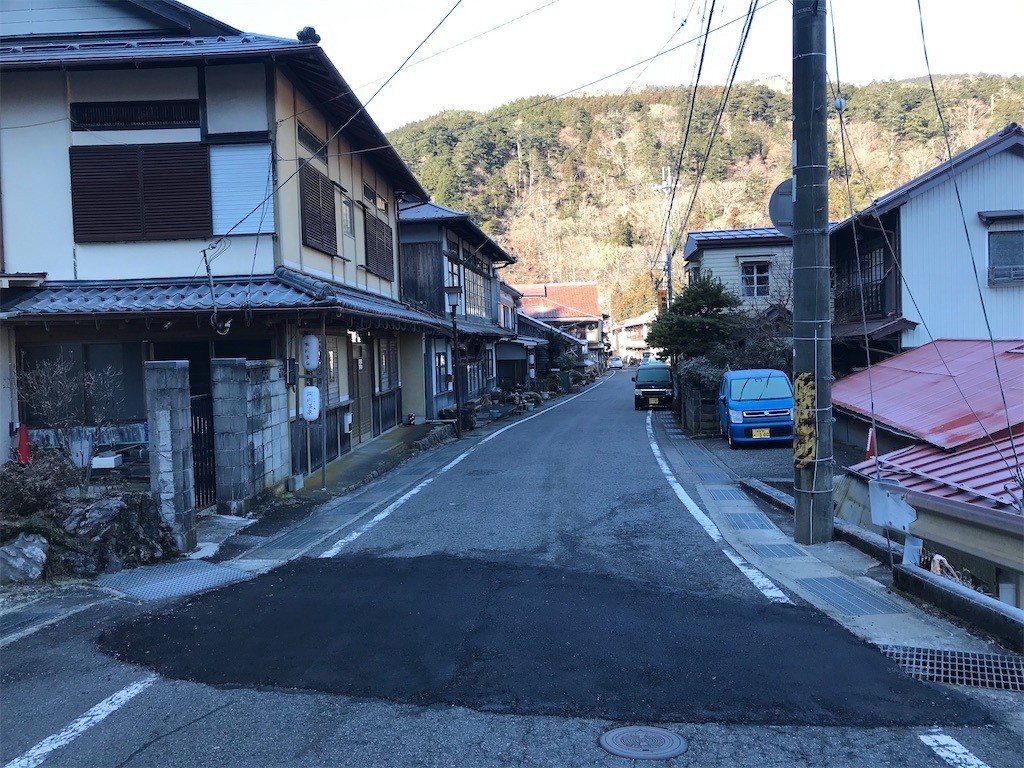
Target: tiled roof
[[985, 472], [947, 393], [284, 290], [561, 301]]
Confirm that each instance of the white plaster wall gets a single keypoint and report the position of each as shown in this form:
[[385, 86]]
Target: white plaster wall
[[175, 258], [8, 393], [134, 84], [49, 17], [236, 98], [724, 263], [35, 174], [344, 167], [939, 287]]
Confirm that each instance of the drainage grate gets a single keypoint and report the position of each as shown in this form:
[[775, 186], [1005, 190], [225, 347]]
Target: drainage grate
[[712, 475], [727, 494], [749, 521], [981, 670], [176, 579], [850, 598], [642, 742], [777, 550]]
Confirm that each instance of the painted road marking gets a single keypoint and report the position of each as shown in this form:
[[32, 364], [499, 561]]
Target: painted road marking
[[952, 751], [763, 584], [335, 549], [108, 706]]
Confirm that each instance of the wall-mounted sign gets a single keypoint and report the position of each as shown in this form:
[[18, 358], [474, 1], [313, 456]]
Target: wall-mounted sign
[[310, 352], [311, 403]]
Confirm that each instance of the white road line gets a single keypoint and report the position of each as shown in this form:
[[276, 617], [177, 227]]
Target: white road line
[[758, 579], [334, 550], [705, 522], [952, 751], [765, 585], [42, 750]]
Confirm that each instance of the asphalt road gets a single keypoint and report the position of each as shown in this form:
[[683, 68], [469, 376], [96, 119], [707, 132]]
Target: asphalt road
[[547, 587]]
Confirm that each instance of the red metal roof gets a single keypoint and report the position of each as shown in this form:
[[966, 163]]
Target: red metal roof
[[561, 300], [985, 473], [946, 393]]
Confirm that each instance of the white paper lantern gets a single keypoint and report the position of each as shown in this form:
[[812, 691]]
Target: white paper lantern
[[310, 352], [310, 403]]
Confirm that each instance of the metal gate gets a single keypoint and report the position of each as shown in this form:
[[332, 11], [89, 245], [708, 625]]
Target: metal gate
[[204, 468]]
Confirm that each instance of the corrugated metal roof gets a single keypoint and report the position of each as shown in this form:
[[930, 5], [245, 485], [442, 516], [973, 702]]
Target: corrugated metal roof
[[562, 301], [946, 392], [985, 472]]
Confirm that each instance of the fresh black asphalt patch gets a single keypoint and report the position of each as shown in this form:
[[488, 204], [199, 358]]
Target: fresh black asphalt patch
[[532, 640]]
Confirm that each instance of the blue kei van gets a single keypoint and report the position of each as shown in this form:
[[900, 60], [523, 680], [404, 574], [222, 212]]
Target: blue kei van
[[755, 406]]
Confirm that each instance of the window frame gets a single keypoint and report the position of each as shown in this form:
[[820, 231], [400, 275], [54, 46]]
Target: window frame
[[752, 286], [442, 372], [318, 211], [1006, 274]]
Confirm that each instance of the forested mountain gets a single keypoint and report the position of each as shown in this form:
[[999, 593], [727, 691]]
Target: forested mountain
[[571, 185]]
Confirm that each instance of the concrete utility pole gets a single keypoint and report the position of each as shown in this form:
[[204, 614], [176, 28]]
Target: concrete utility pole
[[667, 185], [812, 328]]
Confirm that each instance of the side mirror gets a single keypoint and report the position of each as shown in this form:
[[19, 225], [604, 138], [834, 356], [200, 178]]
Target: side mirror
[[722, 398]]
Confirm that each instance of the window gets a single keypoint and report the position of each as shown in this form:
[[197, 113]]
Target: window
[[134, 115], [868, 281], [387, 364], [104, 381], [380, 248], [441, 372], [754, 279], [317, 201], [312, 143], [141, 192], [476, 294], [382, 204], [348, 216], [1005, 254], [368, 194]]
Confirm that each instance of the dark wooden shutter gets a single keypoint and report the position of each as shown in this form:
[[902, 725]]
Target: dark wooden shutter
[[106, 195], [316, 195], [176, 191], [380, 248]]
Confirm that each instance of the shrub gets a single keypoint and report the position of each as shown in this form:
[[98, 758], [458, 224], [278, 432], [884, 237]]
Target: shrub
[[36, 487], [575, 377]]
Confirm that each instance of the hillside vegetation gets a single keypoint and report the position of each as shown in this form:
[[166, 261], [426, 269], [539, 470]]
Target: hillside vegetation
[[570, 185]]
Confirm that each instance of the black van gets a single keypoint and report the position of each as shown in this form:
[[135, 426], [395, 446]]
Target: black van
[[653, 386]]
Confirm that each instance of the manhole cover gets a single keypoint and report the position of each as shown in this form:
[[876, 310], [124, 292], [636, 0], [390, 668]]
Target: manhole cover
[[642, 742]]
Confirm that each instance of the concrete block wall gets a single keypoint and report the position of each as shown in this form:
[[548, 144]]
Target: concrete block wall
[[250, 421], [170, 448], [267, 413]]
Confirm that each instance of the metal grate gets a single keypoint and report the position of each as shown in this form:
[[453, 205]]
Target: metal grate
[[749, 521], [712, 475], [777, 550], [727, 494], [174, 579], [850, 598], [642, 742], [981, 670]]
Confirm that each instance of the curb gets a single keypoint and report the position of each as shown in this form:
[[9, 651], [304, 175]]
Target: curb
[[979, 610]]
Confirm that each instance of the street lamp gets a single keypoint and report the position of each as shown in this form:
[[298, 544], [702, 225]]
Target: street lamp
[[453, 294]]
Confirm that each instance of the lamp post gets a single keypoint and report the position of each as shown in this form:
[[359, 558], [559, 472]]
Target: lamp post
[[453, 294]]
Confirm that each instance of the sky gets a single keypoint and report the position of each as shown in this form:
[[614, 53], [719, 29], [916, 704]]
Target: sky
[[486, 53]]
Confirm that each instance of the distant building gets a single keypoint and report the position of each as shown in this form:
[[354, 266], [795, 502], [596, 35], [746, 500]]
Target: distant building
[[573, 308]]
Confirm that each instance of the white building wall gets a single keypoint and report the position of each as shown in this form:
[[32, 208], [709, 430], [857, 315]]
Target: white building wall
[[939, 287], [48, 17], [35, 174], [724, 263], [8, 394], [36, 178]]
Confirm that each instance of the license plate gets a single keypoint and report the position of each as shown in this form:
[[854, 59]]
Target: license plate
[[653, 401], [755, 433]]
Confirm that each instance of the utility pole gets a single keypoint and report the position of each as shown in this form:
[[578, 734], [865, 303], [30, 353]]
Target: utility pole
[[668, 184], [812, 328]]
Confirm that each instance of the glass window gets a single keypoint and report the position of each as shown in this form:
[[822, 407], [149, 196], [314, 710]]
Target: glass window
[[348, 216], [1006, 256], [755, 279], [760, 388], [441, 372], [369, 194], [311, 143]]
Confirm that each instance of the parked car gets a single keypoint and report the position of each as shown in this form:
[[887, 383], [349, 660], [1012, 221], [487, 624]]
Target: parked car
[[653, 386], [615, 362], [755, 406]]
